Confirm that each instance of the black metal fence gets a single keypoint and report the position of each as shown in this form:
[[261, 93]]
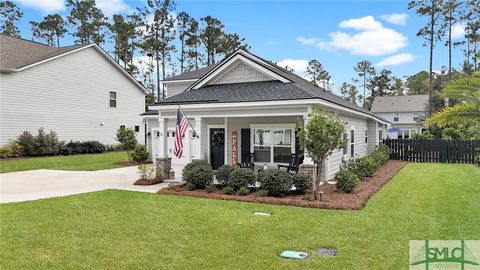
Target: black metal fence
[[446, 151]]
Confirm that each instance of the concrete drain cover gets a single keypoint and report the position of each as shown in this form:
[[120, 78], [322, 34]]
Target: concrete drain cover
[[327, 252], [262, 214]]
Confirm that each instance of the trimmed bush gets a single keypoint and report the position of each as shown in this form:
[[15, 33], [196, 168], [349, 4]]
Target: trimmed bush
[[44, 144], [276, 183], [6, 152], [262, 193], [223, 173], [210, 188], [241, 177], [228, 190], [363, 166], [302, 182], [140, 153], [146, 171], [198, 173], [13, 149], [381, 154], [86, 147], [243, 191], [347, 181], [190, 186]]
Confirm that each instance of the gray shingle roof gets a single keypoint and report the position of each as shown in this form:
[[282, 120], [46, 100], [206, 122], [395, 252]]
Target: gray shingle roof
[[414, 103], [16, 52]]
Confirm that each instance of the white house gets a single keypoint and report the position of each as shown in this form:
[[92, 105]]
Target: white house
[[406, 113], [77, 91], [259, 103]]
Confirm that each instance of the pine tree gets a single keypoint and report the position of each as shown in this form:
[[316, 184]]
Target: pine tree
[[349, 92], [10, 14], [231, 43], [187, 27], [450, 16], [88, 21], [212, 37], [318, 75], [365, 70], [50, 29], [193, 41]]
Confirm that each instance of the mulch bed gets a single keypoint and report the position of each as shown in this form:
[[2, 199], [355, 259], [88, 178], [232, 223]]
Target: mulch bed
[[147, 182], [331, 198], [127, 163]]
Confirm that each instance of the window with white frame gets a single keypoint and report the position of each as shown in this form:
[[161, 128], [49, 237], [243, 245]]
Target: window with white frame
[[380, 135], [366, 136], [273, 144], [396, 117], [352, 142], [415, 116], [113, 99]]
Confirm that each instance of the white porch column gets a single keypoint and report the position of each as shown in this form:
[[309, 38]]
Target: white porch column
[[307, 159], [226, 155], [163, 147], [199, 139]]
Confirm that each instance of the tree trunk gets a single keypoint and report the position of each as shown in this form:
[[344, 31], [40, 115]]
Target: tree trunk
[[316, 188], [430, 77], [450, 45], [182, 55]]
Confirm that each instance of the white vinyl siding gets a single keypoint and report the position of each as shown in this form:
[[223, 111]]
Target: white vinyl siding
[[70, 95]]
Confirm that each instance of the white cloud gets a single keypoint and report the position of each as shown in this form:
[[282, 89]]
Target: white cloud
[[396, 60], [371, 39], [112, 7], [45, 6], [395, 18], [362, 24], [458, 31], [298, 65]]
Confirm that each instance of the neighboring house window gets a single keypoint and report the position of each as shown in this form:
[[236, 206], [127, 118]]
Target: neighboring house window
[[366, 136], [415, 116], [380, 135], [395, 117], [272, 145], [113, 99], [352, 142], [345, 139], [137, 128], [406, 134]]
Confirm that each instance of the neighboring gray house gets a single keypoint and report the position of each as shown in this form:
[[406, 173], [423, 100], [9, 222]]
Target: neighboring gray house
[[260, 102], [77, 91], [406, 113]]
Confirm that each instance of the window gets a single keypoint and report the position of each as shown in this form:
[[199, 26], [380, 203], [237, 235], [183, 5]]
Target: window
[[352, 142], [406, 134], [366, 136], [415, 116], [113, 99], [396, 117], [272, 145], [137, 128], [380, 135], [345, 139], [157, 134]]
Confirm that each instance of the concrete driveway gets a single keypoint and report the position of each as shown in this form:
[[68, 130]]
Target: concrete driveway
[[39, 184]]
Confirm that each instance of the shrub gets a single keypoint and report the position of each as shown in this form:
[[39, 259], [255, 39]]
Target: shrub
[[223, 173], [276, 183], [228, 190], [140, 153], [146, 171], [302, 182], [363, 166], [91, 147], [210, 188], [198, 173], [262, 193], [346, 180], [477, 156], [243, 191], [16, 149], [126, 137], [6, 151], [190, 186], [307, 197], [381, 155], [241, 177], [41, 145]]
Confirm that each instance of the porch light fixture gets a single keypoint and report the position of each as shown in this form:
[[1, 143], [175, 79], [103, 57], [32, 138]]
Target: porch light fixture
[[101, 123]]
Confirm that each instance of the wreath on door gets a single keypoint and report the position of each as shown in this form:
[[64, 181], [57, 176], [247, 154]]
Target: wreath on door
[[218, 139]]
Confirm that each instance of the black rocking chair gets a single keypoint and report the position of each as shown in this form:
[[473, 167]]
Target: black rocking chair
[[293, 165], [247, 162]]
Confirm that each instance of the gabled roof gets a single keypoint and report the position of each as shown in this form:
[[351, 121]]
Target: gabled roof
[[195, 74], [413, 103], [17, 54], [296, 88]]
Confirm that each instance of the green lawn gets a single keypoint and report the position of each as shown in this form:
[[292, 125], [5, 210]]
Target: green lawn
[[87, 162], [129, 230]]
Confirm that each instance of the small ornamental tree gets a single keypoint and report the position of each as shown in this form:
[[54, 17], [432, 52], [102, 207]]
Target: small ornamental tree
[[320, 137], [126, 137]]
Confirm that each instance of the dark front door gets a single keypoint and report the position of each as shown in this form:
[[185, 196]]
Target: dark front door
[[217, 147], [245, 146]]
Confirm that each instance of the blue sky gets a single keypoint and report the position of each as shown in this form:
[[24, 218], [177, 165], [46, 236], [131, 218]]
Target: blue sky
[[337, 33]]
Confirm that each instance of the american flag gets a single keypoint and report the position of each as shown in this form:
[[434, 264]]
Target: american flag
[[180, 130]]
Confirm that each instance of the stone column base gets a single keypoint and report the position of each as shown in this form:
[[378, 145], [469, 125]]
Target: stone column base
[[163, 167]]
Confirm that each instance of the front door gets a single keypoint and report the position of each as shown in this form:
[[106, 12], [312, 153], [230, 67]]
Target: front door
[[217, 147]]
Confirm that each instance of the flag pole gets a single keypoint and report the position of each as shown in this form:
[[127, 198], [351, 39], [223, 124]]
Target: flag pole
[[195, 134]]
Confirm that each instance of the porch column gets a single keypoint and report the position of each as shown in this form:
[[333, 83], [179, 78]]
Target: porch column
[[307, 159], [226, 155], [199, 139], [163, 147]]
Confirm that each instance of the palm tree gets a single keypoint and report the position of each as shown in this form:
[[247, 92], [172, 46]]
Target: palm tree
[[466, 91]]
